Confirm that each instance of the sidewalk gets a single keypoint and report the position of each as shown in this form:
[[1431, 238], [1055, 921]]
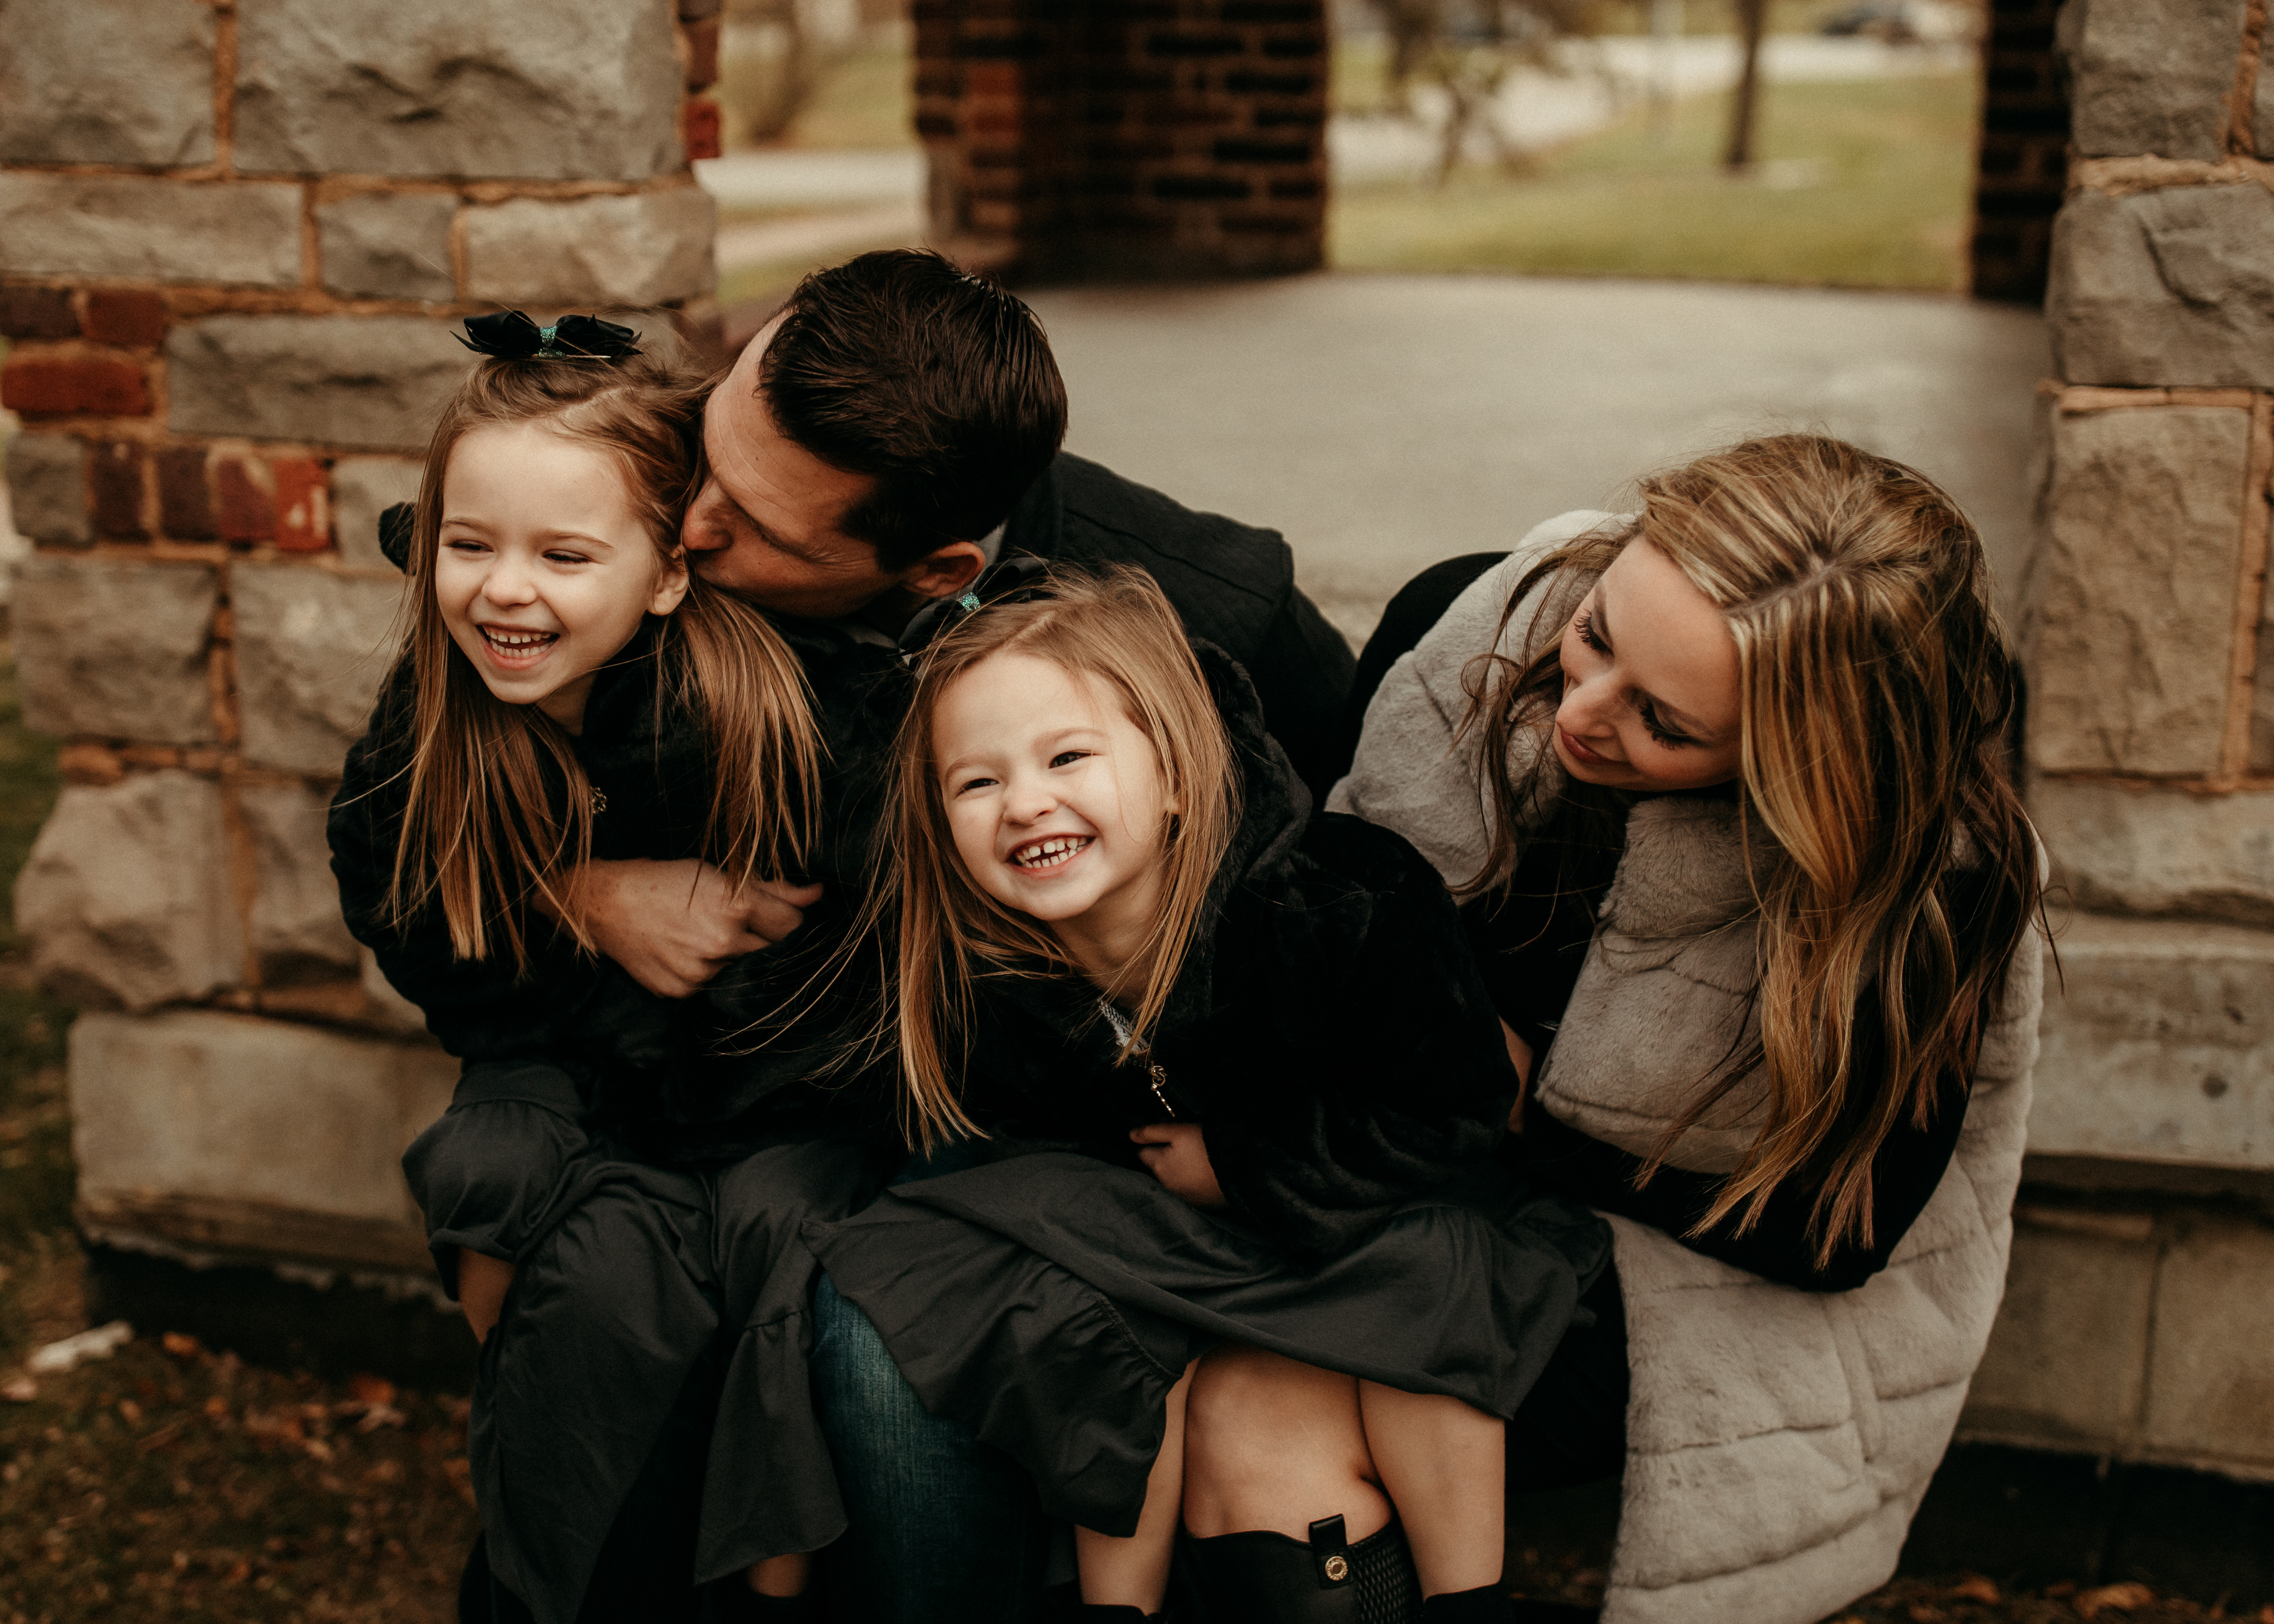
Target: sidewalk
[[1385, 422]]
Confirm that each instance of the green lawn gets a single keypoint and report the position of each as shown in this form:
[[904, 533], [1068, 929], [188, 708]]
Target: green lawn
[[866, 100], [1860, 184]]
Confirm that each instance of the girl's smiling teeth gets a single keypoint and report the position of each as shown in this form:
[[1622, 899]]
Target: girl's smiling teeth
[[1051, 853], [517, 642]]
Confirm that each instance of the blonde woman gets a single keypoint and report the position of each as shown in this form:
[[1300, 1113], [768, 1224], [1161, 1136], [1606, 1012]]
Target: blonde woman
[[1723, 782], [1230, 1077]]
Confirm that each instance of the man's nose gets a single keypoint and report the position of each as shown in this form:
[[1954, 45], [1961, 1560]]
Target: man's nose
[[703, 528]]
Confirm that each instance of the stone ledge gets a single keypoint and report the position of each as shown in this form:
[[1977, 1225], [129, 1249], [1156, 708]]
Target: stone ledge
[[229, 1132], [643, 249], [2158, 1045], [368, 381], [2156, 849]]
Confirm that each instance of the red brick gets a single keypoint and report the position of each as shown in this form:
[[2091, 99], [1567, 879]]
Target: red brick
[[37, 312], [702, 53], [994, 79], [246, 508], [57, 385], [134, 318], [701, 124], [304, 514], [119, 471], [185, 505]]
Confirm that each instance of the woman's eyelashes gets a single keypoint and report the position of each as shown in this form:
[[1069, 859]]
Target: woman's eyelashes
[[1585, 626], [1646, 707]]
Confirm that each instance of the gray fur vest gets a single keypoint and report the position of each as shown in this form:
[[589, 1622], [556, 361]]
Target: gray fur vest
[[1778, 1440]]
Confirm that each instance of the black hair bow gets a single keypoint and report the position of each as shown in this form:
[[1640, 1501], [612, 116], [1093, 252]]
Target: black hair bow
[[508, 336], [394, 525], [1010, 581]]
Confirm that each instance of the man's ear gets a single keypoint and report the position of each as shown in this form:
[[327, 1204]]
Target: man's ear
[[946, 572]]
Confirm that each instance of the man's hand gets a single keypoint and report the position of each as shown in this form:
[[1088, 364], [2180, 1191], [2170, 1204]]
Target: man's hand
[[1174, 1153], [1519, 1055], [672, 925], [482, 1282]]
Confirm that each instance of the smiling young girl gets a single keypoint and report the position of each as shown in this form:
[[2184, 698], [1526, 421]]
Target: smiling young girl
[[1229, 1078], [565, 692]]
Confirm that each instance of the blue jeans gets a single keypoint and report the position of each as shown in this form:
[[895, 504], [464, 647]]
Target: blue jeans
[[944, 1529]]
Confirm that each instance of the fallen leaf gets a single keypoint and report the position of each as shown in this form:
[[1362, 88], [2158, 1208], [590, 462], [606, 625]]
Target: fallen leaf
[[1973, 1587], [23, 1390], [181, 1345], [385, 1472], [379, 1415], [216, 1408], [373, 1390], [2123, 1598], [72, 1351], [131, 1411]]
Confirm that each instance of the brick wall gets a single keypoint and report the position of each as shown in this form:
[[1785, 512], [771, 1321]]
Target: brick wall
[[2021, 167], [2142, 1298], [1130, 138], [233, 236]]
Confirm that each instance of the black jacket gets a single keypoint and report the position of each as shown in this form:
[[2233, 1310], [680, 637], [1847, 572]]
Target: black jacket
[[1329, 1031], [662, 1071], [1233, 585]]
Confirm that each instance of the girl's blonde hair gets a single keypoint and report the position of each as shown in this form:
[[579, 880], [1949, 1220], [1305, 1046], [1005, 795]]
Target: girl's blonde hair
[[1877, 695], [1116, 631], [499, 806]]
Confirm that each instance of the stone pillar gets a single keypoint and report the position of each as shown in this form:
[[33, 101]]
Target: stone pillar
[[2142, 1305], [1124, 141], [2021, 167], [233, 236]]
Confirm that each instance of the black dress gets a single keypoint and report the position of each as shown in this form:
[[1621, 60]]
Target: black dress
[[1330, 1036], [648, 1188]]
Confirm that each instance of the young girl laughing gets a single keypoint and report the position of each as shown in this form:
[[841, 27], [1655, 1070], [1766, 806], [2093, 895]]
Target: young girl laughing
[[1230, 1081]]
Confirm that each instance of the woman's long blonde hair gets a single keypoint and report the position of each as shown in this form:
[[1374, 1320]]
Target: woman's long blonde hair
[[1877, 693], [499, 806], [1118, 632]]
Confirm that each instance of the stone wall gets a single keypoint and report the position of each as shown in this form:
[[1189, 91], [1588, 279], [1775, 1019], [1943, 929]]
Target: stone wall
[[1126, 139], [2138, 1319], [233, 236]]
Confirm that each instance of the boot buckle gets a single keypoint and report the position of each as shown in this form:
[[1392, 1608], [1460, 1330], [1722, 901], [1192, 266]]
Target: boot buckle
[[1331, 1550]]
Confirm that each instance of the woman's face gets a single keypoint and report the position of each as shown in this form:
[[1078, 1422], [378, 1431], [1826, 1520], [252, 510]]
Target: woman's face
[[1056, 802], [1650, 681], [544, 567]]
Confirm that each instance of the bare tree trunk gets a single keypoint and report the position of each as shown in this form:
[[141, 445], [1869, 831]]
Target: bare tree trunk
[[1752, 18]]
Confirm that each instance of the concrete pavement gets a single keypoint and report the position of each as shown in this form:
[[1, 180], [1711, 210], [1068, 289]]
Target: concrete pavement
[[1385, 422]]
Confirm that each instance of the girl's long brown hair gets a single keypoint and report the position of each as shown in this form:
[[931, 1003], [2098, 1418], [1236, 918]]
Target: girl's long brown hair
[[942, 931], [1877, 689], [499, 806]]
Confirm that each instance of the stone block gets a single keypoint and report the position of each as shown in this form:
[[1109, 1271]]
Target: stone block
[[246, 232], [72, 386], [48, 489], [312, 647], [375, 381], [125, 898], [114, 650], [2158, 1044], [297, 933], [2262, 120], [2151, 76], [2144, 528], [361, 489], [388, 245], [2067, 1356], [72, 93], [2261, 695], [213, 1129], [2166, 288], [437, 87], [647, 248], [2160, 850], [119, 476], [2211, 1385]]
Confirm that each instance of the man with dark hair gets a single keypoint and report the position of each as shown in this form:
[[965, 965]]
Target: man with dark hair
[[874, 448]]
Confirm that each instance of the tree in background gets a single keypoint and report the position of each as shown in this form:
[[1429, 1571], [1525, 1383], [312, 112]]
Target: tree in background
[[1464, 50]]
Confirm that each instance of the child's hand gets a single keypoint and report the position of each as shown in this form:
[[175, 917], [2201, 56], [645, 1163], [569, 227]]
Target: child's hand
[[1519, 1055], [1174, 1153]]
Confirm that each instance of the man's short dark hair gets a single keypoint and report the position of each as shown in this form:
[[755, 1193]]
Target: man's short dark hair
[[935, 384]]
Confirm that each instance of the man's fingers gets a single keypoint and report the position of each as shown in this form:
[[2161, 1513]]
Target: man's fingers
[[770, 919]]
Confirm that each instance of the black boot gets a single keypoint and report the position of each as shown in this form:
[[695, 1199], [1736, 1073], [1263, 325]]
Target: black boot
[[1270, 1579], [1488, 1604]]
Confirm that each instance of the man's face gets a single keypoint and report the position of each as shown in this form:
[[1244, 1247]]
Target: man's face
[[764, 526]]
